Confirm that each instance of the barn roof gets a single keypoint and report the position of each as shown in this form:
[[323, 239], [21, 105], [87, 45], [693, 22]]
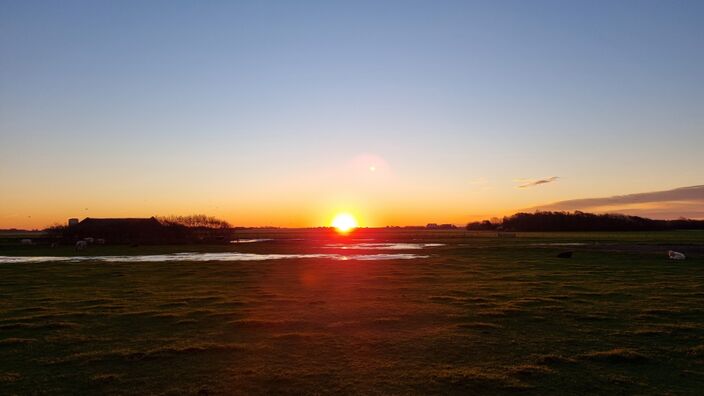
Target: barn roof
[[134, 221], [143, 226]]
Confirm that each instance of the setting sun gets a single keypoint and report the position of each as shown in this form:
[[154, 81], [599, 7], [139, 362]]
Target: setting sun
[[344, 222]]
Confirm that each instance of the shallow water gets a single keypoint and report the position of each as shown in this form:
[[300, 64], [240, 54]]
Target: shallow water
[[560, 244], [154, 258], [383, 246]]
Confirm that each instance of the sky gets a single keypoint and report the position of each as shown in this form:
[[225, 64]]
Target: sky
[[282, 113]]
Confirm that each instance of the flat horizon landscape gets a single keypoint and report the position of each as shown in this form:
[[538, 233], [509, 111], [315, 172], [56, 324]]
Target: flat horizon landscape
[[369, 197], [467, 313]]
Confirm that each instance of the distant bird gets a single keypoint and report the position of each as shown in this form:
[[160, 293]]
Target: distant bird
[[564, 255], [675, 255]]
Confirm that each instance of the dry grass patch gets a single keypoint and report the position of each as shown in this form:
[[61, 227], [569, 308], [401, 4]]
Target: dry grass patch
[[476, 379], [16, 341], [9, 377], [650, 332], [480, 326], [126, 354], [105, 377], [529, 370], [616, 355], [697, 351], [552, 359]]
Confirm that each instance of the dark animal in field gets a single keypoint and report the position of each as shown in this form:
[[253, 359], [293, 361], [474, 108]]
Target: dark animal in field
[[564, 255], [676, 255]]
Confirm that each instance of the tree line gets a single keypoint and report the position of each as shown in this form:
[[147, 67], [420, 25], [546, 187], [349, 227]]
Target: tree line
[[581, 221], [194, 221]]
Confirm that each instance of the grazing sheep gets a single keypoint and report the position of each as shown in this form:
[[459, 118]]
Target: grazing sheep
[[80, 245], [26, 241], [89, 240], [676, 255], [100, 241]]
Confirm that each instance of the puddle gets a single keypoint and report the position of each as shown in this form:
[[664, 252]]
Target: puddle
[[157, 258], [383, 246], [560, 244]]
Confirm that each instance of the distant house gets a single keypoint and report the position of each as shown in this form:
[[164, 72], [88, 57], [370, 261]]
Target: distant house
[[124, 230]]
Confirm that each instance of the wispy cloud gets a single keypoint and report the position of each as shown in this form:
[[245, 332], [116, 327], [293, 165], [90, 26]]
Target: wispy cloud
[[535, 182], [667, 204]]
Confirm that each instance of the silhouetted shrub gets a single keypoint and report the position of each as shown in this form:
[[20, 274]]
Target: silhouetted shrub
[[194, 221]]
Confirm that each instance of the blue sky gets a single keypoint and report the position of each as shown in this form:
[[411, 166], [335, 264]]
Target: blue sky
[[254, 110]]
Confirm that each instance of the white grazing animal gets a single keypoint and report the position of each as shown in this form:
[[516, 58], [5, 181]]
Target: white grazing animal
[[26, 241], [80, 245], [675, 255]]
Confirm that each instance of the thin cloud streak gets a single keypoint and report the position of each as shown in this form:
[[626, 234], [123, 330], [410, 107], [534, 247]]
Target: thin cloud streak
[[667, 204], [533, 183]]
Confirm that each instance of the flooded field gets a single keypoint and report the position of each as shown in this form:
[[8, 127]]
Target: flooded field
[[455, 313]]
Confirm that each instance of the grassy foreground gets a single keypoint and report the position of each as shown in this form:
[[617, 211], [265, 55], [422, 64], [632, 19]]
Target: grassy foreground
[[480, 315]]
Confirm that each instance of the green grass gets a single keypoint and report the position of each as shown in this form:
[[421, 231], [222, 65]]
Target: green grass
[[481, 315]]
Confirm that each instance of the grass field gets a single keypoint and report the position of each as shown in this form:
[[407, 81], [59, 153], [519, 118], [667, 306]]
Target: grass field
[[478, 315]]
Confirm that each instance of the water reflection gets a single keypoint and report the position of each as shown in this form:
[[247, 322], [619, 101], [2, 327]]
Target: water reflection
[[153, 258], [383, 246]]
